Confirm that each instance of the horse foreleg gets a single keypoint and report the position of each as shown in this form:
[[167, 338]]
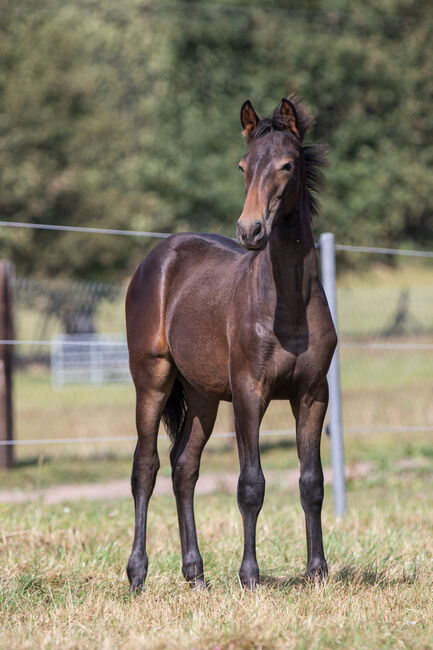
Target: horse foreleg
[[251, 484], [309, 414], [185, 459], [151, 397]]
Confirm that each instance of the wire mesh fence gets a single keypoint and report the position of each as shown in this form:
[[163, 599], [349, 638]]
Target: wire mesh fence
[[386, 345]]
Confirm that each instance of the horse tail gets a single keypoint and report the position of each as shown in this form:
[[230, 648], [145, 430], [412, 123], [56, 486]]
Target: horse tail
[[174, 412]]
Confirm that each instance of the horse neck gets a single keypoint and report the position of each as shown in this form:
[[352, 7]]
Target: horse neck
[[291, 255]]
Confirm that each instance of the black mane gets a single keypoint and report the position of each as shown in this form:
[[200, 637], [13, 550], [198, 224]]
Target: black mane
[[315, 158]]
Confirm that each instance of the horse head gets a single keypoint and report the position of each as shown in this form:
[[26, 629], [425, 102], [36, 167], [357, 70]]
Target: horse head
[[273, 169]]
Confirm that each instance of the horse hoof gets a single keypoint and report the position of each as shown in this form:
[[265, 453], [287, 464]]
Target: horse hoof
[[249, 581], [193, 574], [198, 584], [136, 583], [136, 586], [317, 571], [137, 573]]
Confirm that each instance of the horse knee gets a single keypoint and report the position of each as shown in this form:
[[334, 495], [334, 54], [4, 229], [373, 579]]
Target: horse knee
[[251, 490], [311, 489]]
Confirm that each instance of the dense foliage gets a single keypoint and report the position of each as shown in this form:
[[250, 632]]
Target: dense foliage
[[126, 115]]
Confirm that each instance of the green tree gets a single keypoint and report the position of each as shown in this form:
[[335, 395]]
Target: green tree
[[125, 115]]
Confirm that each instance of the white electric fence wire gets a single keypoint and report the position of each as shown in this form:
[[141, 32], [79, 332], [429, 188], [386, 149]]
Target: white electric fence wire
[[55, 441], [162, 235], [271, 432], [94, 231]]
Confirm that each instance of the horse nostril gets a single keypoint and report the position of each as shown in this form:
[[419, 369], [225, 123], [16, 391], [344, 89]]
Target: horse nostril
[[240, 232], [257, 231]]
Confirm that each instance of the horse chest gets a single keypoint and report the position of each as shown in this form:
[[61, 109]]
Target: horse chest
[[274, 359], [290, 356]]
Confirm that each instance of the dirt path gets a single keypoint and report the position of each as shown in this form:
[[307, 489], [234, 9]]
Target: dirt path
[[207, 484]]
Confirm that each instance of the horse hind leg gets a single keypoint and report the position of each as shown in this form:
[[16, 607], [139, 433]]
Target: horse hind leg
[[185, 460], [153, 383]]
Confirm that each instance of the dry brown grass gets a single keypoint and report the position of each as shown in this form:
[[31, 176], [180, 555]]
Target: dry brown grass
[[62, 579], [63, 574]]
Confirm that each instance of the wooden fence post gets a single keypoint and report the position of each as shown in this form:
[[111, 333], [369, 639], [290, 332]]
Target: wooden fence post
[[6, 363]]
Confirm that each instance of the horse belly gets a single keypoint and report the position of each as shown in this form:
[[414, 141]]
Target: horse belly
[[198, 345], [201, 367]]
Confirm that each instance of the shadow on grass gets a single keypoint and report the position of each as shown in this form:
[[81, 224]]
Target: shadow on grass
[[368, 576], [281, 583], [371, 576]]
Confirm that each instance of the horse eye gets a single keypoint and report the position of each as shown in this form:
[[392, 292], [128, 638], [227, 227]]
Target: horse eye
[[241, 168], [287, 167]]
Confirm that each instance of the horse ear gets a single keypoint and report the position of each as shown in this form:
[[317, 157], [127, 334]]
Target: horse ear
[[288, 114], [249, 118]]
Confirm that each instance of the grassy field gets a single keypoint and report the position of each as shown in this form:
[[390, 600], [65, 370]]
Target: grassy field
[[63, 582], [368, 297]]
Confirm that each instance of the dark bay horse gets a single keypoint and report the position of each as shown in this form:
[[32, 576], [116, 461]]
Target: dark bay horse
[[209, 320]]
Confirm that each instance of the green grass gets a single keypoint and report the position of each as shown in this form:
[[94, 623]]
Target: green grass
[[393, 370], [63, 581], [368, 298], [401, 272]]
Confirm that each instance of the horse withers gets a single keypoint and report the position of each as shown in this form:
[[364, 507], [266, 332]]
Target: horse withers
[[209, 320]]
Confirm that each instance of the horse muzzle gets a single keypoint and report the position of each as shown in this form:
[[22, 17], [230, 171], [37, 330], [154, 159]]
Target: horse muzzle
[[252, 234]]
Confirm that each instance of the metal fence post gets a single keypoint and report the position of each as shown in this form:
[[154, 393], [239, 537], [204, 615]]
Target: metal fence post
[[327, 261], [6, 364]]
